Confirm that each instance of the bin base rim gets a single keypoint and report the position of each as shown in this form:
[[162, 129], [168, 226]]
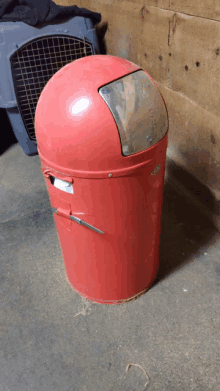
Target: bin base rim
[[112, 302]]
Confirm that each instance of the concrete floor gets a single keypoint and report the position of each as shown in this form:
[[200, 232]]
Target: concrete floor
[[54, 340]]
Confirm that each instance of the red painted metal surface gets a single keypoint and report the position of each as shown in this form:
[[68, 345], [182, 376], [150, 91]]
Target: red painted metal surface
[[126, 206]]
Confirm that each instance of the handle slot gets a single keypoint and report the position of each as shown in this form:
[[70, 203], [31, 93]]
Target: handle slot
[[61, 184]]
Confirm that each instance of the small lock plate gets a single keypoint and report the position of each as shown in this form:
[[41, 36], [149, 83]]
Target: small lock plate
[[156, 169]]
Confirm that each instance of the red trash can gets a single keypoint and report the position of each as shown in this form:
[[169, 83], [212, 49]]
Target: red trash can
[[101, 127]]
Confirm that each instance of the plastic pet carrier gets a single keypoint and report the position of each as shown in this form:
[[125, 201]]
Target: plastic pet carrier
[[29, 57]]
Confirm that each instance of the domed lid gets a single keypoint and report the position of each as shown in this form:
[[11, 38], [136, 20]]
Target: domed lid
[[99, 113]]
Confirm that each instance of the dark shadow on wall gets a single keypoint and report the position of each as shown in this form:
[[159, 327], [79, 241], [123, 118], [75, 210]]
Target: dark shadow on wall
[[185, 230], [101, 29], [7, 135], [196, 189]]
